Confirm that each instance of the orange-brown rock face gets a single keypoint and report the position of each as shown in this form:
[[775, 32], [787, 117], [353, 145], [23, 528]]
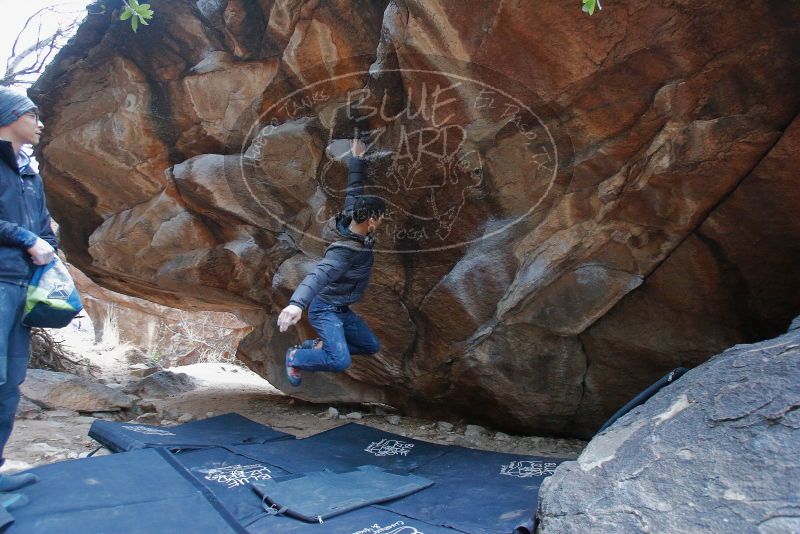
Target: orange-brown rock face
[[576, 204]]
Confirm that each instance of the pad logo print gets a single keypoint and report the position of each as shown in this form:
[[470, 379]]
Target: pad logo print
[[528, 468], [389, 447], [398, 527], [60, 292], [238, 475], [147, 430]]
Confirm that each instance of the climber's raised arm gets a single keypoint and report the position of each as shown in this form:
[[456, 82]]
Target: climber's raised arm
[[355, 175]]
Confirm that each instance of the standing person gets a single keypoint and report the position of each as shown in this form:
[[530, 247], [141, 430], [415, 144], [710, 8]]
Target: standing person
[[26, 240], [338, 280]]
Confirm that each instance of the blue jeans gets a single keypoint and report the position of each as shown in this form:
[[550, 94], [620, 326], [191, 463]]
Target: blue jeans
[[343, 333], [15, 340]]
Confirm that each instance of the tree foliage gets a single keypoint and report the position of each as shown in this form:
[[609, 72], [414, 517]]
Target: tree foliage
[[140, 13], [589, 6], [137, 13]]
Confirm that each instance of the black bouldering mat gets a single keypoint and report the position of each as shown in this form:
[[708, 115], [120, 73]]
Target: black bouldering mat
[[478, 491], [141, 492], [222, 430], [474, 491], [369, 520], [228, 476], [321, 495], [346, 447]]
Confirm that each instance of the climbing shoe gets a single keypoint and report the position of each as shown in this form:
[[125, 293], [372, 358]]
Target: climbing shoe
[[311, 344], [292, 374]]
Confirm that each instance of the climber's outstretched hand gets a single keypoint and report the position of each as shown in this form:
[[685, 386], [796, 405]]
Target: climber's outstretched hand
[[289, 316]]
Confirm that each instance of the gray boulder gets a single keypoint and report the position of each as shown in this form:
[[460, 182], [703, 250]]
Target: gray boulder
[[27, 409], [444, 426], [135, 356], [717, 451], [53, 390], [474, 431], [161, 384], [143, 370], [149, 418]]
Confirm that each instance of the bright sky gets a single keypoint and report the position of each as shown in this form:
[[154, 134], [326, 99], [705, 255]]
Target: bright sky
[[16, 12]]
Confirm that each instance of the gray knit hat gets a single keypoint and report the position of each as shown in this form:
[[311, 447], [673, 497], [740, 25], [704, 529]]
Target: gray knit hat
[[13, 105]]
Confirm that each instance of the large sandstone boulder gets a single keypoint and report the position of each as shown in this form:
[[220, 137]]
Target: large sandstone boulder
[[717, 451], [578, 204]]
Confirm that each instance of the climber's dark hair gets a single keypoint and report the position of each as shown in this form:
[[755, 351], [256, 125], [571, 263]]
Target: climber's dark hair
[[367, 206]]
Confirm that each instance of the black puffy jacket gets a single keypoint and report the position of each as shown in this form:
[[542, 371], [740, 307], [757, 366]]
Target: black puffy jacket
[[342, 275], [23, 217]]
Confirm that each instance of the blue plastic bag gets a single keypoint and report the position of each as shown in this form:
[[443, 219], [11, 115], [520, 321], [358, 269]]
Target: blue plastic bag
[[53, 300]]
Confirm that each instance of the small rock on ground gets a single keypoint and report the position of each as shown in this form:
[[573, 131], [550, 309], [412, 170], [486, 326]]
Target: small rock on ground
[[474, 431], [149, 418], [147, 406], [143, 370], [107, 416], [162, 384], [60, 413], [172, 415], [444, 426]]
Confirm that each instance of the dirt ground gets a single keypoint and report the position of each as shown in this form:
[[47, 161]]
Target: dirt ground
[[56, 435]]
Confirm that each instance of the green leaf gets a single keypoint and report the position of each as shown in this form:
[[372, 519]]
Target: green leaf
[[144, 13], [138, 13], [589, 6]]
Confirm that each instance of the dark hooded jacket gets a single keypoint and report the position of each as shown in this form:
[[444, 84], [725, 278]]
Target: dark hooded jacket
[[342, 275], [23, 217]]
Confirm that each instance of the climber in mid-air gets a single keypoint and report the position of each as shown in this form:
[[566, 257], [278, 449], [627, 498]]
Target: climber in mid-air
[[337, 281]]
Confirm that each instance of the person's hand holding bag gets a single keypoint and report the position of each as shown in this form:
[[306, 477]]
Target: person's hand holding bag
[[41, 252]]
